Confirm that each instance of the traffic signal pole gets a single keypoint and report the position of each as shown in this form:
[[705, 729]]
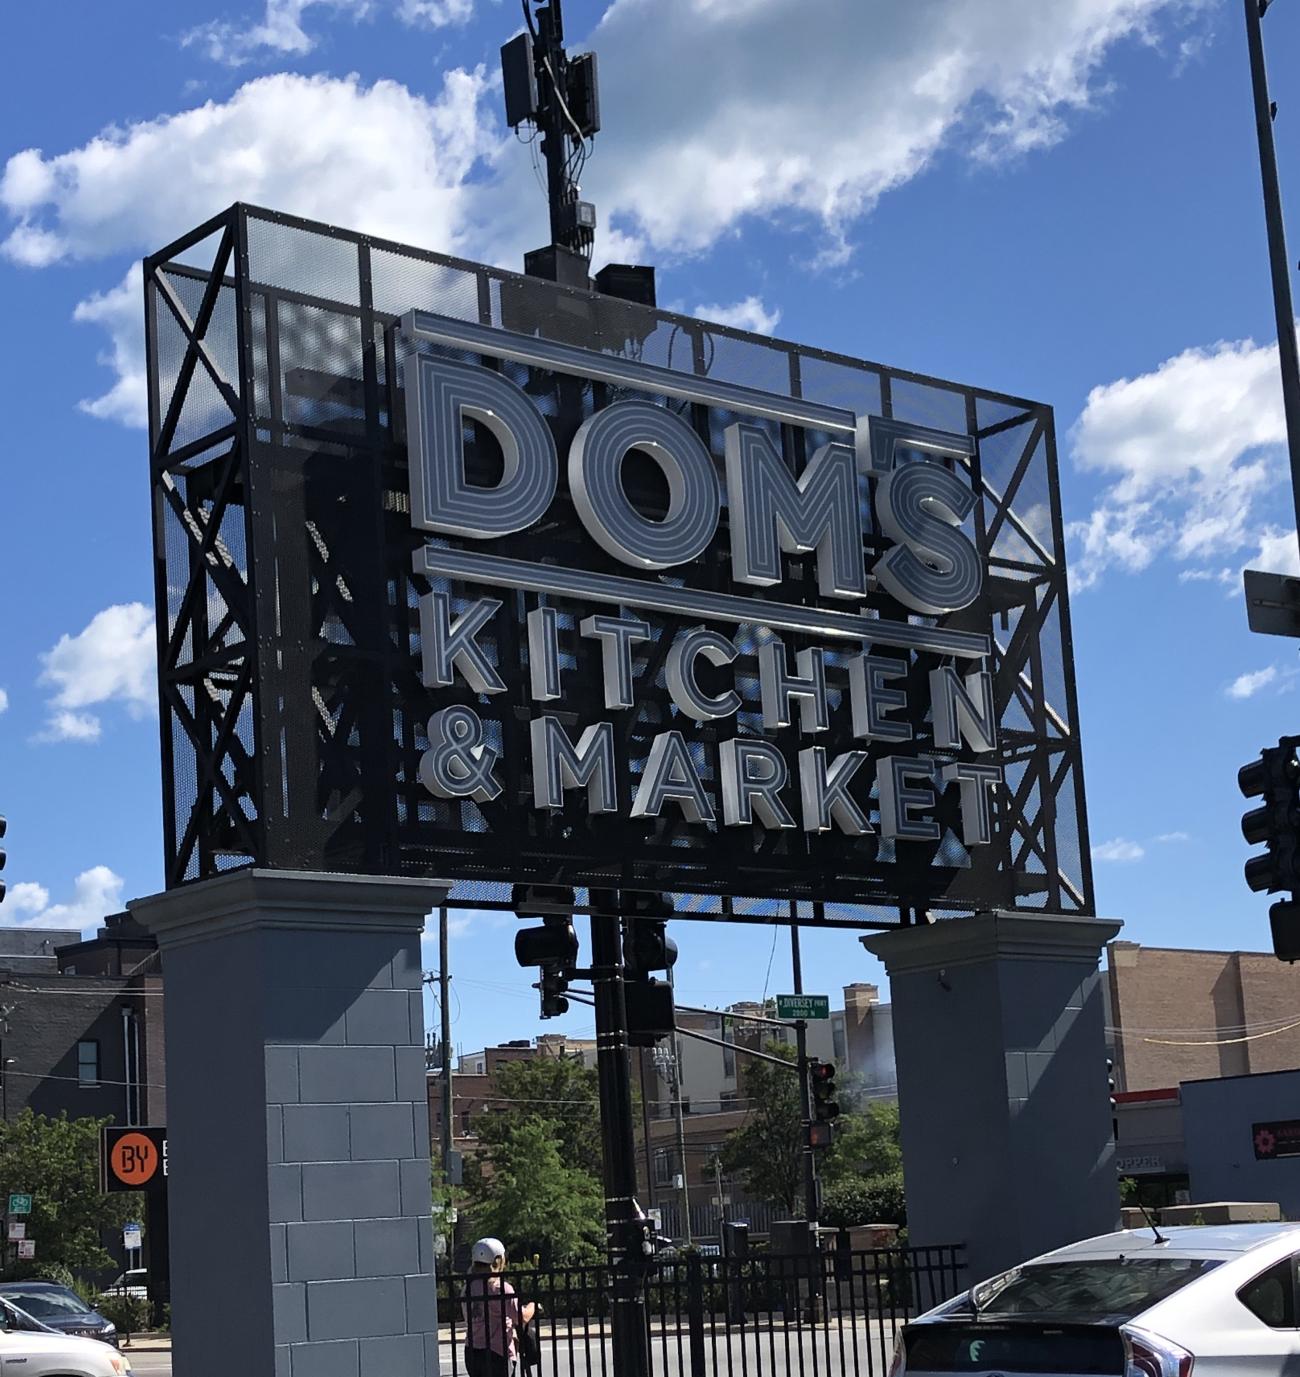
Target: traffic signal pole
[[805, 1094], [1288, 355], [624, 1229]]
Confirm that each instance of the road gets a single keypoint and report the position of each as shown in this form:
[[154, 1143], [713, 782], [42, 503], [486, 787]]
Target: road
[[154, 1364]]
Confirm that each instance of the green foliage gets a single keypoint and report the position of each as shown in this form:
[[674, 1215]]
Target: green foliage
[[536, 1184], [130, 1314], [535, 1202], [57, 1161], [866, 1145], [865, 1200], [767, 1153]]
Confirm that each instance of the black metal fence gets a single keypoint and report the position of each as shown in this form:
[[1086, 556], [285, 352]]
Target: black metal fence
[[834, 1314]]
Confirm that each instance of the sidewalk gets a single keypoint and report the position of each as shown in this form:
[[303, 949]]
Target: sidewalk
[[147, 1343]]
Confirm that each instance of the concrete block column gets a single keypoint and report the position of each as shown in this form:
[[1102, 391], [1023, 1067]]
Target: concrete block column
[[298, 1136], [1000, 1047]]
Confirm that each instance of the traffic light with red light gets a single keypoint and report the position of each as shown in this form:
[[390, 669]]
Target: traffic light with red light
[[821, 1080]]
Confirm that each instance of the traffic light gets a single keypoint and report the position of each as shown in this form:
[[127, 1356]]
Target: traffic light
[[1274, 779], [553, 947], [821, 1078], [651, 1014], [4, 827], [1284, 919], [1114, 1103]]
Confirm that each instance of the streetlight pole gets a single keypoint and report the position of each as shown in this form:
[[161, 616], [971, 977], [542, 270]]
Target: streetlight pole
[[1279, 264]]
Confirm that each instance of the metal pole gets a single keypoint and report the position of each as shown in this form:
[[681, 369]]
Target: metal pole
[[624, 1232], [1288, 356], [444, 987], [681, 1126], [805, 1097], [645, 1133], [555, 141]]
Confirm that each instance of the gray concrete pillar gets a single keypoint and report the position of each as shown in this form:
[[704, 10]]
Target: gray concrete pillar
[[1000, 1046], [298, 1135]]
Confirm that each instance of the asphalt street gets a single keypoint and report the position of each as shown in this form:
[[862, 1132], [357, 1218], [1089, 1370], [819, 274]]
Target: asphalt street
[[156, 1364]]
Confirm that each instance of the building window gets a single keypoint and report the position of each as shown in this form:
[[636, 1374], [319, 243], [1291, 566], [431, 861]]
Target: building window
[[663, 1166], [88, 1063], [728, 1052], [837, 1042], [465, 1116]]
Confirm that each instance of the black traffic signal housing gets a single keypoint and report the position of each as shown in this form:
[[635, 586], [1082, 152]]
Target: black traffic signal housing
[[821, 1082], [1275, 780], [553, 947], [651, 1013], [1114, 1103], [1284, 919], [4, 827]]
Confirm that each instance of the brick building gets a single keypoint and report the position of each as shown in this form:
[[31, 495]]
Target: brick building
[[81, 1023]]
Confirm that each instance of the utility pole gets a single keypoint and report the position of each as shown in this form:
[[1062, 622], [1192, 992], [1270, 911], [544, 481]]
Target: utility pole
[[625, 1229], [676, 1064], [645, 1133], [1273, 601], [444, 988]]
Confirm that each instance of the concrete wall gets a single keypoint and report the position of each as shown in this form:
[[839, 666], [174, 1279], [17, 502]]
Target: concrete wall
[[1218, 1119]]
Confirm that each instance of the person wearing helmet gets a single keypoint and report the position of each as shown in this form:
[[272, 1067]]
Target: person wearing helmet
[[492, 1313]]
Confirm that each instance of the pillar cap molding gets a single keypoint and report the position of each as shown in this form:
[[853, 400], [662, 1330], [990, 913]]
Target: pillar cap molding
[[1003, 934], [255, 899]]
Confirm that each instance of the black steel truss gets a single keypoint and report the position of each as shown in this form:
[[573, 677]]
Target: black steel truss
[[291, 707]]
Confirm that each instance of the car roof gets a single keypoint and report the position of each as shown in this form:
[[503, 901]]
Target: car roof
[[1181, 1240], [32, 1286]]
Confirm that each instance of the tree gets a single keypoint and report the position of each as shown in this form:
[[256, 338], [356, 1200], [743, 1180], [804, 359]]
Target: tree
[[535, 1203], [56, 1161], [767, 1153], [865, 1200], [866, 1145], [536, 1182]]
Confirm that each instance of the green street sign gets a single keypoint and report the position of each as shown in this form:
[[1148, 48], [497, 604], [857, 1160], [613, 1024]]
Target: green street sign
[[803, 1006], [20, 1204]]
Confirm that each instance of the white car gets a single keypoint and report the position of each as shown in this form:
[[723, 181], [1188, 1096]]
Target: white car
[[1210, 1300], [32, 1352]]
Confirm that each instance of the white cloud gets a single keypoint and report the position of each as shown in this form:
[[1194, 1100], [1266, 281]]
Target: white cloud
[[1189, 449], [110, 660], [303, 144], [96, 893], [749, 314], [282, 30], [822, 109], [121, 312], [1247, 685], [1167, 837], [1118, 849], [691, 146], [4, 701]]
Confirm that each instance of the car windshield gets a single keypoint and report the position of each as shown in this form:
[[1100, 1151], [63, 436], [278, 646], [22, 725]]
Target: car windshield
[[1114, 1289], [56, 1304]]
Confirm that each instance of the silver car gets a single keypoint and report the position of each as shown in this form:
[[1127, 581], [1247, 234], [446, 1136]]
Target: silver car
[[1143, 1303]]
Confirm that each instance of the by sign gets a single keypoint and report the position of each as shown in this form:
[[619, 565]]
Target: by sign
[[803, 1006], [133, 1159], [20, 1204]]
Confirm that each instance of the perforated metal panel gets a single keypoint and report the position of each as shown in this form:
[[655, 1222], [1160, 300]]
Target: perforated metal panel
[[293, 713]]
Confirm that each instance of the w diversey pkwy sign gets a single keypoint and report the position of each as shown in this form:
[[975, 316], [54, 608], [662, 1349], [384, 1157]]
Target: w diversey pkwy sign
[[770, 599]]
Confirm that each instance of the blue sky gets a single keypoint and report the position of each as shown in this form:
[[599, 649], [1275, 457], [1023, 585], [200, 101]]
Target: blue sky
[[1058, 201]]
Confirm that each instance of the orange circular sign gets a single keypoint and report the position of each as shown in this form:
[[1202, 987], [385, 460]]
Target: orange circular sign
[[134, 1159]]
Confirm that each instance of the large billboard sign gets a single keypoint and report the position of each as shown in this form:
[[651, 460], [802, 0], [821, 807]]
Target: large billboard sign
[[510, 582]]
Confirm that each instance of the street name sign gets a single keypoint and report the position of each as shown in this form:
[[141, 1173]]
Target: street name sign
[[803, 1006]]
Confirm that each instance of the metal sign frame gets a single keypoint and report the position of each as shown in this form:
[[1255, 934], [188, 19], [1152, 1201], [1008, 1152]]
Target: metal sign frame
[[292, 710]]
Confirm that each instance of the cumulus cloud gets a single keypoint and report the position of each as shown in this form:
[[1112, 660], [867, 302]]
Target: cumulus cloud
[[121, 313], [1118, 849], [691, 149], [1169, 837], [4, 701], [1248, 685], [95, 893], [749, 314], [110, 660], [1188, 450], [282, 29]]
